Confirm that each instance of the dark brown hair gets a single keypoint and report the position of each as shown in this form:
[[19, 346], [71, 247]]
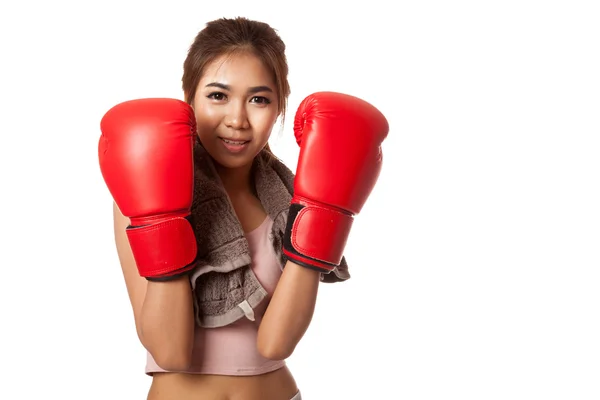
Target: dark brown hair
[[231, 35]]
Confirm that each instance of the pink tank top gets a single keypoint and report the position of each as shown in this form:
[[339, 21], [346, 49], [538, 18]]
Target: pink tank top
[[231, 350]]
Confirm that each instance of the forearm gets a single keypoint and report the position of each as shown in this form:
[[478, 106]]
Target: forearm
[[289, 312], [166, 325]]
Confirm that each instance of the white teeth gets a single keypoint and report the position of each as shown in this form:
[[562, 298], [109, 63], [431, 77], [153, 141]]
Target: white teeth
[[233, 142]]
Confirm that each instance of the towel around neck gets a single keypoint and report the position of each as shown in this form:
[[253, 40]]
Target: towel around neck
[[223, 283]]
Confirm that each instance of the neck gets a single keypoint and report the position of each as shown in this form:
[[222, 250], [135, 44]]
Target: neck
[[236, 180]]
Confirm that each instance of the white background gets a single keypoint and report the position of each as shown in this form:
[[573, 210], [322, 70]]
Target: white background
[[475, 262]]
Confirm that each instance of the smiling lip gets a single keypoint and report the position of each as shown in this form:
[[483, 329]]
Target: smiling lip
[[234, 146]]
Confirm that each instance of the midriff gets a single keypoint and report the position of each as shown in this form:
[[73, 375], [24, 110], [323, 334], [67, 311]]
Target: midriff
[[275, 385]]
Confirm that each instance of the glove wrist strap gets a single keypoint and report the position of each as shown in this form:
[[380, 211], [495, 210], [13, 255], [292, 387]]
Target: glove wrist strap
[[316, 235], [163, 249]]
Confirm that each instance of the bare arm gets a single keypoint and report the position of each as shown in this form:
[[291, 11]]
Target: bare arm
[[289, 312], [163, 311]]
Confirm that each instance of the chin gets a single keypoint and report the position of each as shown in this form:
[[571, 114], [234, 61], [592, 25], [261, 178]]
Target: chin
[[228, 163]]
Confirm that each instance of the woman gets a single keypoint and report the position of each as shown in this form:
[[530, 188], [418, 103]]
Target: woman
[[200, 346]]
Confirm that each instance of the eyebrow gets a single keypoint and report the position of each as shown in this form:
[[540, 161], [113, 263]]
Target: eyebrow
[[253, 89]]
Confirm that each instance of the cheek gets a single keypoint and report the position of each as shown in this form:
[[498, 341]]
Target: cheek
[[206, 120], [262, 122]]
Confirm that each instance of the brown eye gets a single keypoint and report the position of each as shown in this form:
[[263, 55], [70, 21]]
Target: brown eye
[[260, 100], [217, 96]]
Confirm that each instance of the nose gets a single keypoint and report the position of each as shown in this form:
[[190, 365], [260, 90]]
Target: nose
[[237, 117]]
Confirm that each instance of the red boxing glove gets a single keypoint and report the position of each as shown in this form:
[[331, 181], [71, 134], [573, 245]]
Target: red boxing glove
[[340, 160], [146, 159]]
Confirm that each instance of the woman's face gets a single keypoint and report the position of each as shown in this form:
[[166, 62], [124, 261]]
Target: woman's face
[[235, 107]]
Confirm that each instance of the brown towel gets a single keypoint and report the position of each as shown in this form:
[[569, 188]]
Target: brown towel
[[225, 288]]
